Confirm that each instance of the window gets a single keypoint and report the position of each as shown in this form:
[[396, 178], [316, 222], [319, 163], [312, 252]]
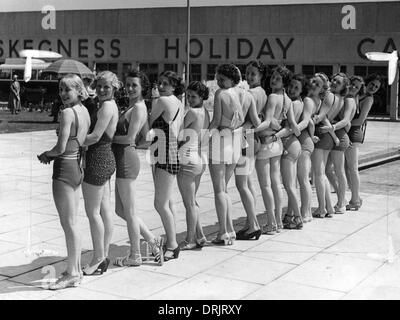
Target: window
[[310, 70], [343, 69], [113, 67], [211, 69], [151, 70], [171, 67], [5, 74], [360, 71], [195, 72]]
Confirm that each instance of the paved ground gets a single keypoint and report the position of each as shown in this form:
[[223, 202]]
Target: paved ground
[[339, 258]]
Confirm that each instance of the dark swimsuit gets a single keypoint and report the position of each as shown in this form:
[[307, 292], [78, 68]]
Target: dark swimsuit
[[99, 159], [126, 156], [357, 133], [325, 139], [167, 152], [67, 167], [341, 134]]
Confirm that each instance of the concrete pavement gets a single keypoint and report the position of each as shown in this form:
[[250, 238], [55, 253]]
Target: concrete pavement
[[339, 258]]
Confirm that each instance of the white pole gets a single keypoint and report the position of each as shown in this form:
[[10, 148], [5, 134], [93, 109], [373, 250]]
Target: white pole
[[188, 44]]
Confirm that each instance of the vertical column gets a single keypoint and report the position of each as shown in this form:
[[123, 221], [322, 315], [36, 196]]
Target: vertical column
[[394, 98]]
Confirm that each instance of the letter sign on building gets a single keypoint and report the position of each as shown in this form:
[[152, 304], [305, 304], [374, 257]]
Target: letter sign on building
[[49, 20], [349, 20]]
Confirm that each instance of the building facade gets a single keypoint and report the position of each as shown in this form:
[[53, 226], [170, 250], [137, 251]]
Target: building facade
[[328, 37]]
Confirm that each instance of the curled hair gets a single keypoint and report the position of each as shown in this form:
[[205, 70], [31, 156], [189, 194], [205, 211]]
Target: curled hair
[[109, 76], [362, 88], [302, 79], [144, 81], [285, 73], [200, 88], [74, 81], [261, 67], [372, 77], [230, 71], [346, 82], [175, 81]]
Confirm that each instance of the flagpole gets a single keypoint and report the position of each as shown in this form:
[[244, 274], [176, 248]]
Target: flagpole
[[188, 44]]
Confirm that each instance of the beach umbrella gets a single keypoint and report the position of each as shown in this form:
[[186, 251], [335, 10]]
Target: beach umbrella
[[65, 66]]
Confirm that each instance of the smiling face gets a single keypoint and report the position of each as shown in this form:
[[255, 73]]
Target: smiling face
[[253, 76], [316, 86], [68, 94], [193, 98], [276, 82], [164, 87], [133, 88], [224, 82], [104, 90], [355, 87], [373, 86], [294, 90], [337, 84]]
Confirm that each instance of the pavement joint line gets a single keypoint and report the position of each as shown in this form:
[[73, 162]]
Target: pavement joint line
[[237, 279]]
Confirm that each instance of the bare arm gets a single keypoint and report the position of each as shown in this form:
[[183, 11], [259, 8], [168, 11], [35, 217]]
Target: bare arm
[[104, 117], [326, 106], [137, 118], [217, 113], [307, 112], [365, 107], [252, 112], [269, 113], [157, 110], [349, 108], [66, 120]]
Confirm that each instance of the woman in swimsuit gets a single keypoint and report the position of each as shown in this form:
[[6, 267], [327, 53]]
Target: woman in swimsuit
[[357, 134], [271, 149], [67, 172], [132, 126], [166, 119], [255, 75], [99, 167], [292, 151], [230, 107], [193, 164], [318, 84], [333, 102]]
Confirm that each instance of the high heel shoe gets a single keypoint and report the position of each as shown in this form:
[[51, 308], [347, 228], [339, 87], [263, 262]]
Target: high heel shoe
[[97, 269], [294, 223], [188, 246], [269, 229], [127, 261], [156, 247], [202, 242], [232, 236], [248, 236], [224, 239], [354, 205], [245, 228], [175, 253], [66, 281]]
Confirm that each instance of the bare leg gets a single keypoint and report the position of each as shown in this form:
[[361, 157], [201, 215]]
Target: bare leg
[[276, 187], [93, 196], [303, 176], [217, 172], [352, 165], [338, 162], [66, 200], [187, 188], [163, 183]]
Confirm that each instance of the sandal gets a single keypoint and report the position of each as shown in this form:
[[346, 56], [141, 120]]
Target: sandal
[[295, 223], [318, 214], [287, 219], [225, 240], [354, 205], [339, 210], [66, 281], [187, 245], [175, 253], [128, 262], [269, 229], [203, 242], [156, 247]]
